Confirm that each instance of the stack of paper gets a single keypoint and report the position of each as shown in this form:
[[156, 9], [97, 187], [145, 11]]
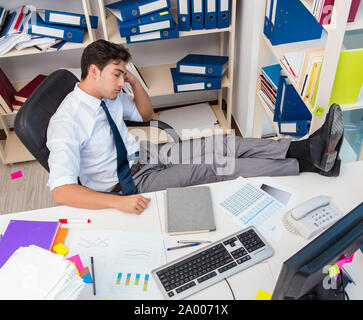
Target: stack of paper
[[33, 273]]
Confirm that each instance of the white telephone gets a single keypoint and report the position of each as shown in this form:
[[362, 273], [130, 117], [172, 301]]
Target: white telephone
[[311, 217]]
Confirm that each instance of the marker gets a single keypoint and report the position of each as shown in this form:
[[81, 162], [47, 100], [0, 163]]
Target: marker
[[93, 276], [194, 241], [75, 220], [184, 246]]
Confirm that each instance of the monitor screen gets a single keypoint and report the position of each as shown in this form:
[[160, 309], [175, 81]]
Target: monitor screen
[[307, 270]]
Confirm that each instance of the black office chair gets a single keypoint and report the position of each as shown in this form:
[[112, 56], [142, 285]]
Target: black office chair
[[31, 121]]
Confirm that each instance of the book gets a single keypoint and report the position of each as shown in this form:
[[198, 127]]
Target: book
[[23, 233], [28, 89], [7, 92], [189, 210]]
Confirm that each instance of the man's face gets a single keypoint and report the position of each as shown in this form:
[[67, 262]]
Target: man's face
[[111, 80]]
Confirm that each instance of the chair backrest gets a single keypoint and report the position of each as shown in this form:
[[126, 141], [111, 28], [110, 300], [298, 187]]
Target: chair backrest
[[31, 121]]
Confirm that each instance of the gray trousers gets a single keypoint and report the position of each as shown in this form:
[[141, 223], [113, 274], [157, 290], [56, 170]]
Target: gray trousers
[[211, 159]]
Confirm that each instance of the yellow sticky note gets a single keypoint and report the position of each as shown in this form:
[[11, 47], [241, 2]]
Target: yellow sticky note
[[163, 13], [319, 111], [60, 249], [263, 295], [333, 270]]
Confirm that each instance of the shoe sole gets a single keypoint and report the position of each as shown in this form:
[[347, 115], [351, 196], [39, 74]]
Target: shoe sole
[[336, 133]]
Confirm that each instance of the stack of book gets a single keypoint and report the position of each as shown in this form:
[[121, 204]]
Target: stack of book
[[196, 72], [10, 99], [323, 10], [26, 27], [146, 21], [269, 78]]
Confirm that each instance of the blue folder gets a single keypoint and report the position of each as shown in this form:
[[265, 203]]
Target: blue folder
[[151, 22], [267, 21], [126, 10], [292, 22], [184, 11], [290, 108], [224, 13], [197, 14], [272, 74], [294, 128], [186, 83], [69, 19], [38, 27], [210, 14], [155, 35], [202, 64]]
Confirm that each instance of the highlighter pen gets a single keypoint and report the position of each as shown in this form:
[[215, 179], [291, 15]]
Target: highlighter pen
[[75, 220], [184, 246]]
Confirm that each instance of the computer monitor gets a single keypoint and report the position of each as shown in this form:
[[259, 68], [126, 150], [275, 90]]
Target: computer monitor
[[305, 275]]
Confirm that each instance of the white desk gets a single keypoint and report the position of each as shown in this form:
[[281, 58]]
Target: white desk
[[345, 191]]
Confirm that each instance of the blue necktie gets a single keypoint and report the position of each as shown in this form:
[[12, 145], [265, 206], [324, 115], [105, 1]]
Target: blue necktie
[[123, 169]]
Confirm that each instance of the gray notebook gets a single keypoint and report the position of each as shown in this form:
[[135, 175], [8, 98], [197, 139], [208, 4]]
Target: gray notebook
[[189, 210]]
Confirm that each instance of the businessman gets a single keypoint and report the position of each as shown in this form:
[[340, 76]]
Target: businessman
[[88, 140]]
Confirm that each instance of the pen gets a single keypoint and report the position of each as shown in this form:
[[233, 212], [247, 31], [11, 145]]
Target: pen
[[348, 276], [75, 220], [184, 246], [292, 71], [93, 276], [194, 241]]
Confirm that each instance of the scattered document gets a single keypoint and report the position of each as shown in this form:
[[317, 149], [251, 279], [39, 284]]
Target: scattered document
[[250, 205], [122, 262], [34, 273]]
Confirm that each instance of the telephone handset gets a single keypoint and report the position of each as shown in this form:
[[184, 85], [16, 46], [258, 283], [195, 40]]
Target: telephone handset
[[311, 217]]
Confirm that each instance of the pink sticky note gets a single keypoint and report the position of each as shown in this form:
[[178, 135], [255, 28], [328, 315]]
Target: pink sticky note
[[343, 261], [16, 175], [77, 260]]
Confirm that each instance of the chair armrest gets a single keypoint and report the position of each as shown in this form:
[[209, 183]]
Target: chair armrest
[[158, 124]]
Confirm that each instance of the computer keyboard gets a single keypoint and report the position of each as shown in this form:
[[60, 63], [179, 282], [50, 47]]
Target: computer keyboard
[[202, 268]]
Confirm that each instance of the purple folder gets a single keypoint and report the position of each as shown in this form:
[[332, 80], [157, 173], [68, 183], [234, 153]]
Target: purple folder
[[23, 233]]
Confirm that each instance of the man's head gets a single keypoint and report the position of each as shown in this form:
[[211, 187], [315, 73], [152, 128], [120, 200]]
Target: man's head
[[103, 63]]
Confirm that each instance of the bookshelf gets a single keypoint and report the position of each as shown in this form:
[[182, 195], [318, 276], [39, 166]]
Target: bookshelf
[[158, 78], [13, 150], [332, 40]]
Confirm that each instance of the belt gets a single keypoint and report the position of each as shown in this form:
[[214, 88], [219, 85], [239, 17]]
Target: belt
[[134, 169]]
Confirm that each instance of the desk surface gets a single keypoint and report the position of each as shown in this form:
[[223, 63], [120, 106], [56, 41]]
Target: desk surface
[[345, 191]]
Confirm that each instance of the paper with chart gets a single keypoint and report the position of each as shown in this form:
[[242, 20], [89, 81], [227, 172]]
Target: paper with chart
[[249, 205], [123, 262]]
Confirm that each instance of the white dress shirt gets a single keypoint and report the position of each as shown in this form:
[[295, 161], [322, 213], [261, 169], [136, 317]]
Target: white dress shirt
[[81, 142]]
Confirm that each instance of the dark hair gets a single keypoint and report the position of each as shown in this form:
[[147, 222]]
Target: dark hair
[[100, 53]]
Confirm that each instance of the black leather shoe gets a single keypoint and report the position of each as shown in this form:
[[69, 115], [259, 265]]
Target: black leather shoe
[[325, 143], [335, 171]]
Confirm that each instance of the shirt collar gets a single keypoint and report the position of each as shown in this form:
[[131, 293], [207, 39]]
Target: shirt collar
[[91, 101]]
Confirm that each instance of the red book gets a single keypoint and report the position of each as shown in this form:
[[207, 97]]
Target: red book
[[353, 10], [27, 90], [7, 92], [17, 104]]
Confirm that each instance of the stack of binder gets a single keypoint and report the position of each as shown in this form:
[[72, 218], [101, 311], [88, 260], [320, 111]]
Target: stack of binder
[[196, 72], [147, 21], [289, 21], [65, 26], [203, 14]]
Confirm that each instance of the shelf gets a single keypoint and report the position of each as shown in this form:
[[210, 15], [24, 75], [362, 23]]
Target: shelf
[[160, 82], [351, 107], [30, 51], [15, 151], [158, 136], [113, 33]]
